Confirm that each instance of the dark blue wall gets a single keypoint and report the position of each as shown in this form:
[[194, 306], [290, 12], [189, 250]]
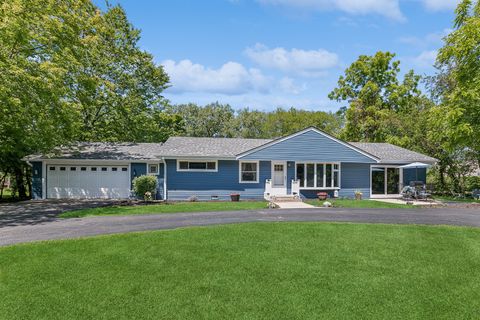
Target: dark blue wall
[[310, 146], [37, 168], [183, 184]]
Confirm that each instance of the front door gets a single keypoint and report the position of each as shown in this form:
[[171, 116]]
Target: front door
[[279, 178]]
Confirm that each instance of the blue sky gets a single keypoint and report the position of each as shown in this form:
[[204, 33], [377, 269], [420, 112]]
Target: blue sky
[[264, 54]]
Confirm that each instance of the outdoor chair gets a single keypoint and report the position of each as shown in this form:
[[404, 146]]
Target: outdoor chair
[[476, 194]]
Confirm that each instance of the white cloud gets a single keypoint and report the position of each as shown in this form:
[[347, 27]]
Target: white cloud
[[303, 62], [387, 8], [437, 5], [230, 78], [287, 85], [426, 59]]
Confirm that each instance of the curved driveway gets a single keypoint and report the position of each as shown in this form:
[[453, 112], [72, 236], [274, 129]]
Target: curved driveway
[[80, 227]]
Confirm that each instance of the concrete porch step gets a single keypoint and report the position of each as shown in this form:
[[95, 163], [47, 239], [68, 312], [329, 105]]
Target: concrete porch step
[[286, 198]]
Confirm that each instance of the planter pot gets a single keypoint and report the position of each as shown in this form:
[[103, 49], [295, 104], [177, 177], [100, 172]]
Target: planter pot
[[322, 196], [235, 197], [358, 197]]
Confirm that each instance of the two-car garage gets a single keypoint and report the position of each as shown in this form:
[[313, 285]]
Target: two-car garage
[[87, 181]]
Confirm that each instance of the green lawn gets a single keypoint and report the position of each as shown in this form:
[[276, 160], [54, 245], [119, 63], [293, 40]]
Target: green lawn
[[173, 207], [249, 271], [349, 203], [453, 199]]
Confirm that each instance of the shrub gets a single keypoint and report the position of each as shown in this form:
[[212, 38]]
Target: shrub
[[145, 186], [193, 199]]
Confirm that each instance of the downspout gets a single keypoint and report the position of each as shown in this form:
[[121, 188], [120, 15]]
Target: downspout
[[164, 179]]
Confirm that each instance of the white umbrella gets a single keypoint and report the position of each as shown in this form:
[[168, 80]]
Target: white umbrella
[[416, 165]]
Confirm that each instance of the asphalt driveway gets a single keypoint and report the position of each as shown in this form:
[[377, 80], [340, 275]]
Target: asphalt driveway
[[55, 228]]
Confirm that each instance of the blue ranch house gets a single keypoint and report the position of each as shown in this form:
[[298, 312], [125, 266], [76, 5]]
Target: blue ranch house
[[303, 163]]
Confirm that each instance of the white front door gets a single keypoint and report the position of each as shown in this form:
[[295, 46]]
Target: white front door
[[279, 178]]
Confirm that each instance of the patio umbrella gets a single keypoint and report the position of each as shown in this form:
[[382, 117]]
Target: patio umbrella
[[416, 165]]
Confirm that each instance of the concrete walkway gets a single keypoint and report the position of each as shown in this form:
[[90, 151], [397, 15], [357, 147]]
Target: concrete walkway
[[293, 205], [81, 227]]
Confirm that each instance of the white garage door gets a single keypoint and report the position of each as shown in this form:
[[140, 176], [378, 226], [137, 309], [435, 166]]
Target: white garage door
[[87, 182]]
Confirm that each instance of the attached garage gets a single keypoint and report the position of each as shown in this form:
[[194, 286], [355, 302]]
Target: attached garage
[[87, 181]]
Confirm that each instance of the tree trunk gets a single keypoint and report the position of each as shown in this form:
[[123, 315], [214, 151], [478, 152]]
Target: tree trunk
[[20, 181]]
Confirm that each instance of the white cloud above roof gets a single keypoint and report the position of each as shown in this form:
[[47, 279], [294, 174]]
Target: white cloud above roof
[[296, 61], [230, 78], [387, 8]]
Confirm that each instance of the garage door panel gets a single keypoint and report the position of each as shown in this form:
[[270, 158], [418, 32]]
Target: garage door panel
[[88, 182]]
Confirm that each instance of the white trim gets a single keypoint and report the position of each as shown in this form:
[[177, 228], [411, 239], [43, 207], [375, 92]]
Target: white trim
[[386, 195], [315, 163], [241, 155], [240, 171], [196, 170], [44, 180]]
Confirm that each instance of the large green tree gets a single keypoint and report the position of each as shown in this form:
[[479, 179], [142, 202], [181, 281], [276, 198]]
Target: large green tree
[[69, 71], [458, 83], [380, 106]]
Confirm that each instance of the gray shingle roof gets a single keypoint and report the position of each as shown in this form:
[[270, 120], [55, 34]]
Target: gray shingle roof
[[387, 152], [209, 147], [105, 151]]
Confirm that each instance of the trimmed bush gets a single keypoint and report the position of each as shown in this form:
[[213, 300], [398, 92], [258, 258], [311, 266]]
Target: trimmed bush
[[145, 186]]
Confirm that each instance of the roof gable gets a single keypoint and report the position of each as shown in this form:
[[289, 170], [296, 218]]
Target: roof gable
[[310, 144]]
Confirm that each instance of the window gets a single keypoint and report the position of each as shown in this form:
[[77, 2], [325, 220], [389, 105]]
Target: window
[[318, 175], [52, 168], [73, 168], [104, 169], [62, 168], [83, 168], [94, 169], [153, 168], [124, 169], [196, 165], [249, 172]]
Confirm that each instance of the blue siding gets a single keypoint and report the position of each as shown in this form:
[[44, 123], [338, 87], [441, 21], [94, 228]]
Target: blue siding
[[310, 146], [354, 176], [204, 185], [411, 175], [140, 169], [37, 168], [290, 175]]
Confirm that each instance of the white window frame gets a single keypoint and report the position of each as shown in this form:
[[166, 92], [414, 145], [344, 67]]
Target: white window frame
[[315, 163], [153, 173], [240, 171], [196, 170]]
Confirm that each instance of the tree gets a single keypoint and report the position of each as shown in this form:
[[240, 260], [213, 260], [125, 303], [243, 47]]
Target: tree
[[212, 120], [71, 72], [458, 82], [380, 106]]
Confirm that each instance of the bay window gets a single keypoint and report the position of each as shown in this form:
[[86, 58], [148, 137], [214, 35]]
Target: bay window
[[318, 175]]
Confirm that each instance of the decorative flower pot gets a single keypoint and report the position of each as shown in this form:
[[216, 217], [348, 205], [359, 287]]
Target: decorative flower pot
[[358, 196], [322, 195], [235, 197]]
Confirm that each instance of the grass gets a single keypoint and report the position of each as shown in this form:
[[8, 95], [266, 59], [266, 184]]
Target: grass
[[248, 271], [453, 199], [350, 203], [173, 207]]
